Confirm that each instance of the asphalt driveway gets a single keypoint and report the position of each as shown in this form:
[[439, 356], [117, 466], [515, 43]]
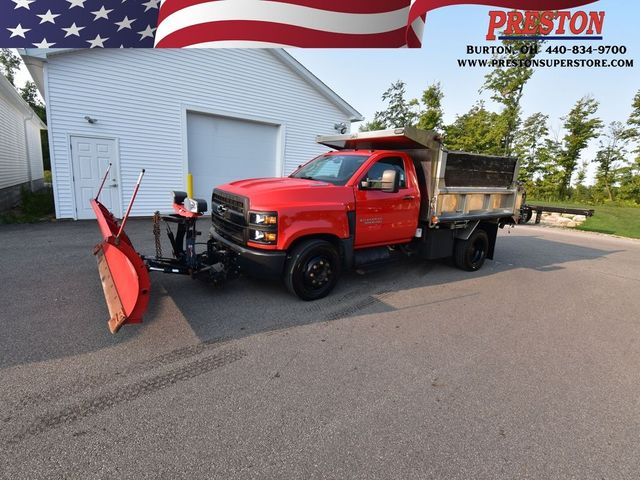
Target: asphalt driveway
[[528, 368]]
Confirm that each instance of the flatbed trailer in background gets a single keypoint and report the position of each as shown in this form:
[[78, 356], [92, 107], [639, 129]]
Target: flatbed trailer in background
[[528, 210]]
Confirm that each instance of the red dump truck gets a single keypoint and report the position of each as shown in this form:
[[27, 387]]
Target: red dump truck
[[375, 197]]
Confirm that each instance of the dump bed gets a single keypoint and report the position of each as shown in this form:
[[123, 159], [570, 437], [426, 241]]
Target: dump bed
[[455, 186]]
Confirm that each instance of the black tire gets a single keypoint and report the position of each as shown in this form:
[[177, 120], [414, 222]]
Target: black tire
[[312, 269], [470, 254], [526, 215]]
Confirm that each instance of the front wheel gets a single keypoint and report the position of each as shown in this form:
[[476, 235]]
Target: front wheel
[[312, 269], [470, 254]]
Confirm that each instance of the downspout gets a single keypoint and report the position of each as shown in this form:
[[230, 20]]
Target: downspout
[[26, 144]]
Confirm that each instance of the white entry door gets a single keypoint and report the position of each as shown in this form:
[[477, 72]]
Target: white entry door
[[91, 158]]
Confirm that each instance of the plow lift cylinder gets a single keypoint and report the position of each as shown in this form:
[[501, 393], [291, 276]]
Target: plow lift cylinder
[[124, 276]]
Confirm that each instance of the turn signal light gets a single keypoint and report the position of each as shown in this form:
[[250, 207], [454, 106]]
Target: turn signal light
[[264, 237]]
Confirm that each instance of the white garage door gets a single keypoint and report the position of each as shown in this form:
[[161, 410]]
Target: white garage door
[[223, 149]]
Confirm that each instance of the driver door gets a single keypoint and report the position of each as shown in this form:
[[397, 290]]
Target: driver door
[[384, 218]]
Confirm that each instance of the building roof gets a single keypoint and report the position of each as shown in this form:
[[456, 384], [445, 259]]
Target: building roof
[[35, 58], [9, 92]]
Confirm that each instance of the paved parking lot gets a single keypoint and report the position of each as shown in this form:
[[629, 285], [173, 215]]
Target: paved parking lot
[[528, 368]]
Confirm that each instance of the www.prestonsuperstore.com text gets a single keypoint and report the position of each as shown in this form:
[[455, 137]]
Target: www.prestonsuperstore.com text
[[551, 56]]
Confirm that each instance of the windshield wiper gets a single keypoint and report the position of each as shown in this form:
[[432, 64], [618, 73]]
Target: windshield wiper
[[306, 177]]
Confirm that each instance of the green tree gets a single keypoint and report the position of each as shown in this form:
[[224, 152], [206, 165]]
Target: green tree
[[629, 174], [634, 118], [528, 141], [375, 124], [478, 130], [9, 64], [581, 192], [630, 182], [546, 186], [581, 126], [29, 93], [609, 157], [506, 85], [400, 112], [633, 124], [430, 117]]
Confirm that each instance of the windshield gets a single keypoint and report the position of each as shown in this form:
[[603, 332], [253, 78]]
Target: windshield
[[336, 169]]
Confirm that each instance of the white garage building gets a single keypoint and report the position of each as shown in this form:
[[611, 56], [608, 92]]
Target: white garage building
[[20, 148], [218, 114]]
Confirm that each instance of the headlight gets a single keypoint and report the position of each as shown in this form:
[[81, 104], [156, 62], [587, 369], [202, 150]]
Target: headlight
[[263, 227], [263, 237], [263, 218]]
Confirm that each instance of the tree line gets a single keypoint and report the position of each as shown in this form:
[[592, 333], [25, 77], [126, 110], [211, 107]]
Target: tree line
[[552, 165]]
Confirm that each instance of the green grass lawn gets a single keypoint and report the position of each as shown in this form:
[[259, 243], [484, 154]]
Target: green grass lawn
[[623, 221]]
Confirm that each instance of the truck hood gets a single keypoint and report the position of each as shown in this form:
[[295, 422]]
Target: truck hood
[[274, 193], [258, 185]]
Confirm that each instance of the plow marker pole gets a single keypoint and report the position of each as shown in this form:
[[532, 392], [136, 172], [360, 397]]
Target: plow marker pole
[[104, 179], [133, 197]]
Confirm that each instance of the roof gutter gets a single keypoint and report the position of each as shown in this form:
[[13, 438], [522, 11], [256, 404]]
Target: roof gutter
[[14, 97]]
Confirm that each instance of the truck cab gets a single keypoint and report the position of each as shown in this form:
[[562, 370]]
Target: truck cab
[[376, 195]]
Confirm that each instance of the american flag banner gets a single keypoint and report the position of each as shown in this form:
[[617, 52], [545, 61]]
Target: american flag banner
[[78, 23], [229, 23]]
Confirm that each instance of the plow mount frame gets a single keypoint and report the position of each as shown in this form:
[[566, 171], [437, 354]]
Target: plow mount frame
[[216, 264]]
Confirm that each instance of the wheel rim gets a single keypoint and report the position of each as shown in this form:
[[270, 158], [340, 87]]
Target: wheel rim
[[318, 273], [478, 252]]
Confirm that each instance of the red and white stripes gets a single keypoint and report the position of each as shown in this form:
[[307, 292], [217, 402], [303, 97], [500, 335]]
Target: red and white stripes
[[309, 23]]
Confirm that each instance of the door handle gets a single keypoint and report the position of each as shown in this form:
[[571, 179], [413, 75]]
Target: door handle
[[408, 197]]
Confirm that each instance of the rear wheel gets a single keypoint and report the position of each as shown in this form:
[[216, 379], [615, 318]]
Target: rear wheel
[[525, 216], [312, 269], [470, 254]]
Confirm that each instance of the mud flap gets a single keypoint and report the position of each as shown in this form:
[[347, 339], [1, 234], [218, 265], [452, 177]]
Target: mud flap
[[124, 276]]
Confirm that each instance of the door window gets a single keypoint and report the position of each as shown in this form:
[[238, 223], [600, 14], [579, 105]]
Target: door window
[[374, 175]]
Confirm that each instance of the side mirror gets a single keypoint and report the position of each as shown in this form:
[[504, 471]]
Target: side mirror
[[390, 181]]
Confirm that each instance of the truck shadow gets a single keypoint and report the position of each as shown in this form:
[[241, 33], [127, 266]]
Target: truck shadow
[[249, 306], [53, 305]]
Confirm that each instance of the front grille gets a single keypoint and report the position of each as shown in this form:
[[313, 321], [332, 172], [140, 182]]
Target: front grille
[[235, 202], [228, 213]]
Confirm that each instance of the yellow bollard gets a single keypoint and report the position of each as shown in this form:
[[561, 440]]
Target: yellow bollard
[[189, 185]]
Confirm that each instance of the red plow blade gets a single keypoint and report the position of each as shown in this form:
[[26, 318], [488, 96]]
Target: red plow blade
[[124, 276]]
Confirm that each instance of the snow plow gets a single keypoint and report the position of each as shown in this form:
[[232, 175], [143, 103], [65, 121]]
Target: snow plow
[[124, 276], [124, 273]]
